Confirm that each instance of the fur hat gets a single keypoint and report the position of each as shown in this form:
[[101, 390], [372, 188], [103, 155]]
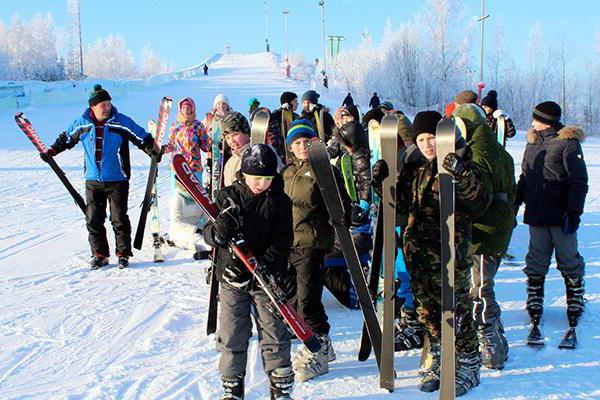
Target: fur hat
[[98, 95], [259, 160], [235, 122], [547, 112], [466, 96], [425, 122]]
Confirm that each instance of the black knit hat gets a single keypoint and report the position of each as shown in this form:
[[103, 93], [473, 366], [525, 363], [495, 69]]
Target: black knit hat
[[547, 112], [311, 96], [374, 113], [491, 100], [259, 160], [425, 122], [287, 97], [98, 95], [235, 121]]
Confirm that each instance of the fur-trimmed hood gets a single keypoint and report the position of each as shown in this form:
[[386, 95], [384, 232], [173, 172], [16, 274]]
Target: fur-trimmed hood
[[567, 132]]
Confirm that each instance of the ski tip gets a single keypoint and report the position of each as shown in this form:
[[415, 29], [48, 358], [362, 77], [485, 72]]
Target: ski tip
[[18, 114]]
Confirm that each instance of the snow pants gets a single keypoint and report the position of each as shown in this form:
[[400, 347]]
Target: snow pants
[[483, 273], [543, 240], [308, 264], [235, 330], [97, 195]]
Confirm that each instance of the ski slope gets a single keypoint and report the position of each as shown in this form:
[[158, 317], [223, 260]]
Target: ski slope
[[70, 333]]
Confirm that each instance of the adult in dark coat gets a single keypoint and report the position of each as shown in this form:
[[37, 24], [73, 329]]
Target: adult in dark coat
[[311, 109], [374, 102], [348, 101]]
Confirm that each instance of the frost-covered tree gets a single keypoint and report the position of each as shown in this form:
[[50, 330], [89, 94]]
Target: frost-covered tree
[[151, 63], [109, 58]]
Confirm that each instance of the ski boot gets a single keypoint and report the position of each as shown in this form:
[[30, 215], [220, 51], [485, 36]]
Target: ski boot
[[409, 331], [326, 348], [535, 308], [467, 371], [431, 373], [98, 261], [575, 290], [233, 387], [309, 365], [493, 344], [123, 262], [282, 383]]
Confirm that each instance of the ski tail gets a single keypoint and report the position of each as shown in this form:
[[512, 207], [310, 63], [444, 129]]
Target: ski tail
[[28, 129], [239, 248], [161, 125], [260, 126]]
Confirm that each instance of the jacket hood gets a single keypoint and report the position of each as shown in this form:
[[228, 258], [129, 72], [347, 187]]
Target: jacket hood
[[572, 132]]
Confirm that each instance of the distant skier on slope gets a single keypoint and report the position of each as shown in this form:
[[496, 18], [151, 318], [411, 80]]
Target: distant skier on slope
[[492, 113], [105, 134]]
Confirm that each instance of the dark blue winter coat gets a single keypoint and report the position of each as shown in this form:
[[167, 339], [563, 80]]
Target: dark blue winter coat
[[554, 179], [118, 131]]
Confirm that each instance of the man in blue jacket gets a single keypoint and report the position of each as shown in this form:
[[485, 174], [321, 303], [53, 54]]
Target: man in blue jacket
[[105, 134]]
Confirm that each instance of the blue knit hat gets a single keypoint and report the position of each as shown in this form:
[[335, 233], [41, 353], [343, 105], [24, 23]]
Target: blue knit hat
[[300, 128], [311, 96]]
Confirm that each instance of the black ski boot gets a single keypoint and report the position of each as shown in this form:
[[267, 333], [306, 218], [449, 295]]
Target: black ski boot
[[123, 262], [282, 383], [467, 371], [98, 262], [493, 344], [535, 308], [233, 387], [409, 331], [575, 290], [431, 375]]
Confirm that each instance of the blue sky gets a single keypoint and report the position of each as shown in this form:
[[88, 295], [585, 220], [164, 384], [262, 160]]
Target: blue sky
[[184, 32]]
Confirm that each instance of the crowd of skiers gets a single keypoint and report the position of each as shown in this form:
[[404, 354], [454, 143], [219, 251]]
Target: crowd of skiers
[[268, 193]]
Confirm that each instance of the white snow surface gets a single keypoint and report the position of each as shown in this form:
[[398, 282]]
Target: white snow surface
[[70, 333]]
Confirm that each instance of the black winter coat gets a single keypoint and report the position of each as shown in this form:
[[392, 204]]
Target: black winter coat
[[554, 178], [374, 102], [361, 165], [266, 225]]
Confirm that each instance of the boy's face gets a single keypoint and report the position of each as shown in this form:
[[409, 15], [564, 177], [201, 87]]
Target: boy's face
[[294, 104], [426, 143], [539, 126], [300, 148], [236, 140], [306, 105], [258, 184]]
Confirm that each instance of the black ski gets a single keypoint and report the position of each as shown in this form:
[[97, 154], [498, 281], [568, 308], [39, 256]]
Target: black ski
[[365, 344], [569, 340], [213, 299], [163, 116], [32, 134], [389, 152], [319, 160], [445, 141]]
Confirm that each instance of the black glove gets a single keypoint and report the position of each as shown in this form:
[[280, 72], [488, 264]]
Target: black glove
[[570, 223], [155, 152], [455, 165], [358, 216], [286, 281], [237, 275], [334, 149], [380, 172], [227, 223], [48, 155], [208, 166]]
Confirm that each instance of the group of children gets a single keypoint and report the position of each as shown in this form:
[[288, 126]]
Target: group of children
[[270, 196]]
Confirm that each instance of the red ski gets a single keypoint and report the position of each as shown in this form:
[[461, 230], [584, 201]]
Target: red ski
[[238, 246], [32, 134]]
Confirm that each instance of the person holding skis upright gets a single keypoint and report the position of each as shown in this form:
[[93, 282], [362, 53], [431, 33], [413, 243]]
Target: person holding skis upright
[[212, 124], [253, 105], [105, 134], [188, 138], [313, 238], [311, 110], [255, 207], [492, 229], [283, 117], [422, 248], [490, 105], [553, 185]]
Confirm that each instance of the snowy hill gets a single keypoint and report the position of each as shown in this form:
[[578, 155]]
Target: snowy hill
[[68, 332]]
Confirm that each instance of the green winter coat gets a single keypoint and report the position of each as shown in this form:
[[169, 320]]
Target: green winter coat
[[493, 224], [312, 228]]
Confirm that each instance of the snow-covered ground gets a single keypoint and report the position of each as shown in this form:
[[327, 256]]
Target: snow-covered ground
[[68, 332]]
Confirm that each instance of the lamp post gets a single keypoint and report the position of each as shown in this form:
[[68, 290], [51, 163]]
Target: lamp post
[[267, 25], [322, 4], [285, 26], [481, 84]]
